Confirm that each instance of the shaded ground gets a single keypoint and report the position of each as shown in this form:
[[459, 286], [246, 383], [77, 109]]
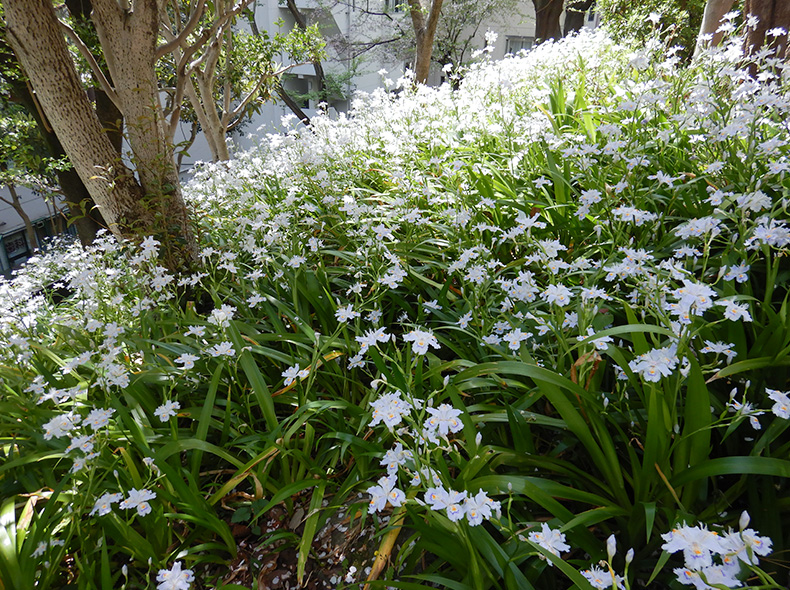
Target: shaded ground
[[342, 551]]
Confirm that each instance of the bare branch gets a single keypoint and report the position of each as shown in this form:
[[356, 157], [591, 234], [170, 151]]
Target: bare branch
[[210, 32], [86, 53], [189, 27]]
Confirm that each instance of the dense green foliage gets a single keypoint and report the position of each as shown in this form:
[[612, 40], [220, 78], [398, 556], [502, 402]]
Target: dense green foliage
[[637, 20]]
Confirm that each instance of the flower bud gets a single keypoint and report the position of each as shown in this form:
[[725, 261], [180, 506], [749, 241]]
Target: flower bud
[[629, 557], [611, 546], [744, 520]]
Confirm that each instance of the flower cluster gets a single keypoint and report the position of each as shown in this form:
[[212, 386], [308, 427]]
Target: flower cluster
[[712, 558]]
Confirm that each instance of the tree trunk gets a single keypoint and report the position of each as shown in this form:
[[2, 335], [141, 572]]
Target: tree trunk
[[711, 18], [30, 231], [771, 14], [82, 210], [291, 104], [425, 32], [547, 19], [574, 15]]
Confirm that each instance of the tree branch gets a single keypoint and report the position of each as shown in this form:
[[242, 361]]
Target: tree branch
[[86, 53], [189, 27], [291, 104], [211, 31], [251, 94]]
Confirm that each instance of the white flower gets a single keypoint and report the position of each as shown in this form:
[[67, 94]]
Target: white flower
[[40, 550], [187, 360], [720, 348], [344, 314], [296, 261], [166, 410], [781, 407], [479, 507], [61, 425], [222, 349], [697, 543], [104, 504], [139, 499], [396, 456], [734, 311], [83, 443], [465, 319], [174, 578], [738, 272], [385, 492], [371, 338], [600, 578], [198, 331], [695, 297], [440, 499], [551, 540], [601, 343], [421, 340], [389, 409], [443, 420], [559, 294], [98, 418], [290, 374], [657, 363], [514, 338], [221, 317]]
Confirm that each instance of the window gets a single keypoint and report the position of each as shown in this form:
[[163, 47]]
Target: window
[[516, 44]]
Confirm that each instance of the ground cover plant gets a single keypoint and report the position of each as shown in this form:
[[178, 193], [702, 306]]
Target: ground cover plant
[[529, 333]]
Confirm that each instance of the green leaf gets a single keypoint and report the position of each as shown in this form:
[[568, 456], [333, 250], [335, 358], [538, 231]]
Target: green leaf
[[733, 466], [310, 526]]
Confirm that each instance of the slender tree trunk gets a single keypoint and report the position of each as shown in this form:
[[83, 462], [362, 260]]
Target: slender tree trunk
[[425, 32], [547, 19], [291, 104], [33, 33], [82, 210], [301, 22], [16, 204]]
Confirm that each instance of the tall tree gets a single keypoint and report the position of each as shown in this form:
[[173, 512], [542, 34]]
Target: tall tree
[[16, 91], [128, 36]]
